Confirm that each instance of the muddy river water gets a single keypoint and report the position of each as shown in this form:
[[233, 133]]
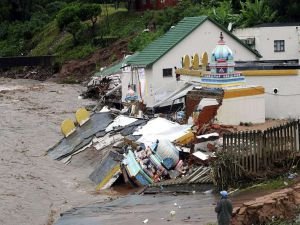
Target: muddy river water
[[35, 190]]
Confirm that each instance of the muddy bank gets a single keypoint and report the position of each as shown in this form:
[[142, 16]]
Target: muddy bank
[[282, 204], [189, 209], [34, 189]]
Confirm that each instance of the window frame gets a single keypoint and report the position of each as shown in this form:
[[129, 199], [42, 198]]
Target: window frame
[[168, 72], [279, 45]]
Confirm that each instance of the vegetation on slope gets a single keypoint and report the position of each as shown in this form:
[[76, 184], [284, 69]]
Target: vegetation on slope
[[75, 29]]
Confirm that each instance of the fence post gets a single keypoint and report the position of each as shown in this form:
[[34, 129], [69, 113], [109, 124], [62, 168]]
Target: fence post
[[295, 136], [251, 151], [256, 152], [264, 148], [239, 152], [298, 135]]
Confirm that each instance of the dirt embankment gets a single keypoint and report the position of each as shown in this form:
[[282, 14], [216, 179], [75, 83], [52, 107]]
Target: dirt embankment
[[282, 204], [81, 70], [74, 71]]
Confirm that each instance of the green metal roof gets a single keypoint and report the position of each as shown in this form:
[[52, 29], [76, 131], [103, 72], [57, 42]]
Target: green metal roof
[[165, 43], [114, 69]]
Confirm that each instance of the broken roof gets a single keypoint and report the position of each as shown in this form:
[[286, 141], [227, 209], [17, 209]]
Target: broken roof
[[114, 69], [158, 48]]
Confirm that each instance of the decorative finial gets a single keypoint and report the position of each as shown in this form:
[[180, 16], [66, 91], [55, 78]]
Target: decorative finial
[[221, 36]]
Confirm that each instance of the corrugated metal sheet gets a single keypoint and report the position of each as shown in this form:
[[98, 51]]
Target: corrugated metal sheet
[[201, 175], [81, 137], [107, 171]]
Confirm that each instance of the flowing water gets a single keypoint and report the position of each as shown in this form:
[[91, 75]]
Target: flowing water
[[34, 189]]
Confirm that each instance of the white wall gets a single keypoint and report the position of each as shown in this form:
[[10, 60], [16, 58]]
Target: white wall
[[204, 38], [236, 110], [285, 104], [264, 41]]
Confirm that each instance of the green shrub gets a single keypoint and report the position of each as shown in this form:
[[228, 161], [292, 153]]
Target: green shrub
[[142, 40], [67, 15]]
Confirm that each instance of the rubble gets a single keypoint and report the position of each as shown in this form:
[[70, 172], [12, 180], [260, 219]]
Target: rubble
[[144, 152], [150, 151], [107, 90]]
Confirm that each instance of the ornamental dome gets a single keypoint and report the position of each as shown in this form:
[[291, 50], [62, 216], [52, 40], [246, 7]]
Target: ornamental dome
[[222, 52]]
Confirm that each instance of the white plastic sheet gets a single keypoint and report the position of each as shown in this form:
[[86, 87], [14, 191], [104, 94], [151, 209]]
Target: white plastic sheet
[[120, 121], [201, 155], [160, 128]]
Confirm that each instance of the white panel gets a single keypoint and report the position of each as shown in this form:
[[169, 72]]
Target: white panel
[[285, 104], [242, 109], [264, 41]]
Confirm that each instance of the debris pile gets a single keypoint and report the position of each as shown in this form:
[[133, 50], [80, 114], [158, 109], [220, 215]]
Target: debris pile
[[141, 152], [106, 89], [28, 72]]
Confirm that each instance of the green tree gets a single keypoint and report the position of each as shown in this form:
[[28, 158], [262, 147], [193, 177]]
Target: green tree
[[256, 13], [75, 28], [287, 10], [67, 15], [54, 7], [5, 9], [90, 12], [224, 14]]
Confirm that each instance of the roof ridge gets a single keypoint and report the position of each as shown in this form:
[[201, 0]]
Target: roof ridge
[[159, 47]]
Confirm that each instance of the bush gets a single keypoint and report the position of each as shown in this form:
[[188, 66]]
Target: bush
[[142, 40], [54, 7], [67, 15]]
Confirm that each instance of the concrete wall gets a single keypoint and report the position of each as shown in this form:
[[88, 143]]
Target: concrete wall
[[264, 41], [285, 104], [236, 110], [204, 38]]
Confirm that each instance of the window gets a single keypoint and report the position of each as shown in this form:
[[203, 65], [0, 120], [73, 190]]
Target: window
[[167, 72], [279, 46]]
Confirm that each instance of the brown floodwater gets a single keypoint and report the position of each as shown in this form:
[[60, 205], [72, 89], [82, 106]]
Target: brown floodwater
[[34, 189]]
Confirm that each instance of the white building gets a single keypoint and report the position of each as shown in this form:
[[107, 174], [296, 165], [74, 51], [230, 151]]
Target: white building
[[192, 35], [273, 41]]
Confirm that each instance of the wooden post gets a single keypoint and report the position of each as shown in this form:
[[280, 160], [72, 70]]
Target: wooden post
[[255, 152], [277, 139], [265, 148], [247, 150], [295, 136], [259, 147], [235, 155], [251, 150], [273, 152], [285, 137], [239, 152], [232, 154], [243, 150], [298, 129]]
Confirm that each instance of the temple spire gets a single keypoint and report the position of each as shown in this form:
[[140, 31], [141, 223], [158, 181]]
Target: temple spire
[[221, 36]]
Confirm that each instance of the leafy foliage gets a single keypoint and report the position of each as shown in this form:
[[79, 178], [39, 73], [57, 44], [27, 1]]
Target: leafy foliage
[[256, 13], [53, 27], [142, 40], [67, 15], [90, 12], [224, 14]]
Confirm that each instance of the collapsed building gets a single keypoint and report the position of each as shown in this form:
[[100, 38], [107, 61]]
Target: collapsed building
[[173, 148]]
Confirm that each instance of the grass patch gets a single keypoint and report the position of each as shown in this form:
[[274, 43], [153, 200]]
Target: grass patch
[[272, 184], [42, 43]]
